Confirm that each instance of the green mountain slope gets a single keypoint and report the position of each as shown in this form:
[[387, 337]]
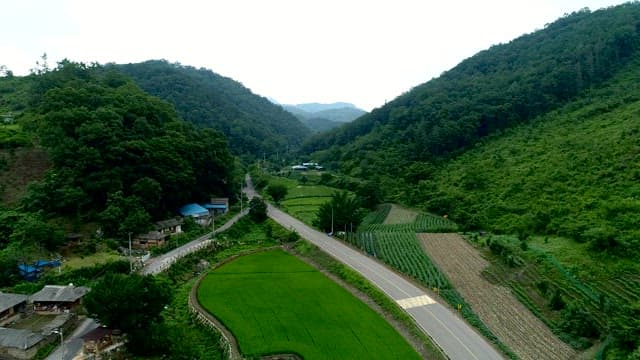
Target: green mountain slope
[[496, 89], [573, 172], [252, 124]]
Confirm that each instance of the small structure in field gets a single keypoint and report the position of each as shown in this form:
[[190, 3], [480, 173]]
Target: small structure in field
[[299, 167], [11, 305], [54, 299]]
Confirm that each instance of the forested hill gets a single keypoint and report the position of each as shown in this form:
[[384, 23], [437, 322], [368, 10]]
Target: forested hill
[[252, 124], [118, 156], [498, 88]]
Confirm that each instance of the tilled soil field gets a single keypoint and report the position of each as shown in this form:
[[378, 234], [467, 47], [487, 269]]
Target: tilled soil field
[[496, 306]]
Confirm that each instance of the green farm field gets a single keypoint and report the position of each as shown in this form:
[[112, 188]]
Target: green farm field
[[304, 200], [275, 303]]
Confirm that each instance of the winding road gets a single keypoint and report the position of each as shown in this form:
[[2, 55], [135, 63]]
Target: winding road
[[455, 337]]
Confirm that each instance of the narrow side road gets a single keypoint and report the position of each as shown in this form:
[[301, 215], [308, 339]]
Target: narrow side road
[[162, 262]]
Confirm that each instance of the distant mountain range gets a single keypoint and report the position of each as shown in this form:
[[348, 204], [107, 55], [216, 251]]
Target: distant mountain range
[[322, 117]]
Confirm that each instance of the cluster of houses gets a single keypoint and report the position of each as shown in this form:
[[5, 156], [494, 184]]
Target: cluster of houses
[[202, 214], [55, 305], [306, 166]]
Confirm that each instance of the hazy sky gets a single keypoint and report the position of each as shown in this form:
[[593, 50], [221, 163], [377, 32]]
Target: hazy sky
[[365, 52]]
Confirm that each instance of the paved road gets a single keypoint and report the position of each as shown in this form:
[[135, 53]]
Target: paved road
[[73, 343], [162, 262], [457, 339]]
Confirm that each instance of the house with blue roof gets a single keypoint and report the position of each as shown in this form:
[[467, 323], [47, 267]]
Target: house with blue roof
[[218, 206], [197, 212]]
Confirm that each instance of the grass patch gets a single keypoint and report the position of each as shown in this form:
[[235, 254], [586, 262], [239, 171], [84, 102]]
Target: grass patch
[[275, 303], [91, 260]]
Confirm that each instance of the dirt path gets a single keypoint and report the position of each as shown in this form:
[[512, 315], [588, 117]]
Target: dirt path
[[496, 306]]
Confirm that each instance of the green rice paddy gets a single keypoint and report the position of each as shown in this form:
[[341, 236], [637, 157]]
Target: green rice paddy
[[275, 303]]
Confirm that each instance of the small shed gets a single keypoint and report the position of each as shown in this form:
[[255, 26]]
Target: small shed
[[197, 212], [10, 306], [54, 299], [299, 167]]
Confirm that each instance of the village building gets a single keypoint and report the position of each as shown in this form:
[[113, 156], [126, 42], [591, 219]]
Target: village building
[[152, 238], [197, 212], [170, 226], [11, 305], [218, 206], [55, 299], [19, 344]]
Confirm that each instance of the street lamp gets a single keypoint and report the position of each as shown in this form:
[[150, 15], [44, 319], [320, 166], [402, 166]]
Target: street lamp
[[59, 332]]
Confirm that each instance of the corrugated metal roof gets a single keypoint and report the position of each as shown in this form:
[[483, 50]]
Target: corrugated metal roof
[[57, 293], [7, 301], [215, 206], [18, 338], [193, 210]]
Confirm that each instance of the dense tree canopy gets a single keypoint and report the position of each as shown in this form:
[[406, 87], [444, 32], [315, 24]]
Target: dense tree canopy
[[253, 125], [120, 155]]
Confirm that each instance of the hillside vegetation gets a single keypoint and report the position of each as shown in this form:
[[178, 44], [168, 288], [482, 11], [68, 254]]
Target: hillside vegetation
[[105, 155], [252, 125], [496, 89]]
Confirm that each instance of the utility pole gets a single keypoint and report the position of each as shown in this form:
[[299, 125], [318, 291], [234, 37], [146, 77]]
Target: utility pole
[[332, 221], [213, 224], [59, 332], [130, 260]]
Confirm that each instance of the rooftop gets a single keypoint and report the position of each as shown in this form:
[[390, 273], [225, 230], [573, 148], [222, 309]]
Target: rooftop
[[193, 210], [57, 293], [8, 301], [18, 338]]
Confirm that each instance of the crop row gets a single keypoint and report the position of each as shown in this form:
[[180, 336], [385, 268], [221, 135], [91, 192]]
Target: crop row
[[378, 216], [423, 223], [402, 251]]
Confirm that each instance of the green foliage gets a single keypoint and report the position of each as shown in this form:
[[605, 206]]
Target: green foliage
[[119, 155], [343, 211], [277, 191], [32, 229], [257, 209], [252, 124], [132, 303]]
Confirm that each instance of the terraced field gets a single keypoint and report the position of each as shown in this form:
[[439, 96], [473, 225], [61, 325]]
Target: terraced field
[[275, 303], [496, 305]]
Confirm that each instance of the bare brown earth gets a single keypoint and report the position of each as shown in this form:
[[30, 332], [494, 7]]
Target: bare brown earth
[[496, 306], [24, 165]]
